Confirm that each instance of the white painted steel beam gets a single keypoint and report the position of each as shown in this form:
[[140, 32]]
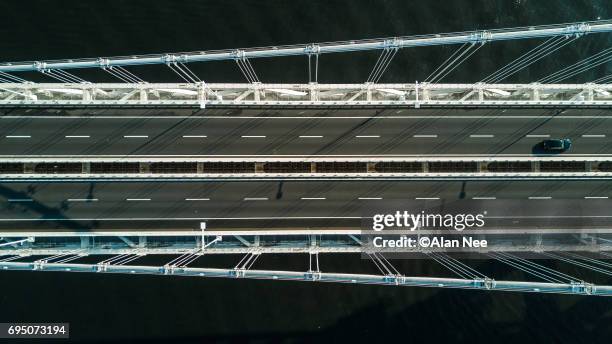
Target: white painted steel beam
[[303, 95], [544, 31]]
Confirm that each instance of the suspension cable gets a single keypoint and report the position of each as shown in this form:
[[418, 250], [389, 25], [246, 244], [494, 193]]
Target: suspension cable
[[603, 79], [247, 70], [122, 74], [11, 78], [382, 63], [520, 63], [517, 63], [579, 67], [578, 263], [461, 57]]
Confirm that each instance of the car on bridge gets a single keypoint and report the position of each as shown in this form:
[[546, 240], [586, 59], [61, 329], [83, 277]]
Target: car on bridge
[[557, 145]]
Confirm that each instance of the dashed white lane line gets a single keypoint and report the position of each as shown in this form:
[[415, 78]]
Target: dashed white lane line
[[487, 136], [312, 198], [367, 136], [194, 136], [253, 136], [483, 198], [595, 197], [137, 199], [593, 136], [311, 136], [18, 136], [256, 198], [427, 198], [538, 135], [197, 199], [77, 136], [82, 199], [540, 197], [20, 200], [425, 136], [370, 198], [135, 136]]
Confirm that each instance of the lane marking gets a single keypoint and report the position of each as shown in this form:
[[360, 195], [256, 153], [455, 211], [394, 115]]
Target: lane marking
[[593, 135], [256, 198], [197, 199], [367, 136], [297, 156], [370, 198], [194, 136], [82, 199], [18, 136], [137, 199], [310, 136], [20, 200], [425, 136], [427, 198], [253, 136], [484, 198], [135, 136], [595, 197], [313, 198], [221, 117], [486, 136], [540, 197], [77, 136], [538, 135]]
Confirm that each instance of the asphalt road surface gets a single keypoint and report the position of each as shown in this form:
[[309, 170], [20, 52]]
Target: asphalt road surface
[[182, 205], [409, 132]]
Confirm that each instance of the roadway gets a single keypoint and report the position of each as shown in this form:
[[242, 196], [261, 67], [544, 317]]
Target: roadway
[[306, 132], [182, 205]]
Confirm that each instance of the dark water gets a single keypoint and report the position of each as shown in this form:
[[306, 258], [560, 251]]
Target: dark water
[[156, 309]]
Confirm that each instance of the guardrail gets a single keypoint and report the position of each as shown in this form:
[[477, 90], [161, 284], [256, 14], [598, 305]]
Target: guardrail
[[14, 169]]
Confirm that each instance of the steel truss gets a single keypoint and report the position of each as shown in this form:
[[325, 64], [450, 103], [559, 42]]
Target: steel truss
[[302, 95], [61, 251]]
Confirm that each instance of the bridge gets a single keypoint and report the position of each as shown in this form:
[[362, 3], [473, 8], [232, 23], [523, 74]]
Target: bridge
[[101, 176]]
